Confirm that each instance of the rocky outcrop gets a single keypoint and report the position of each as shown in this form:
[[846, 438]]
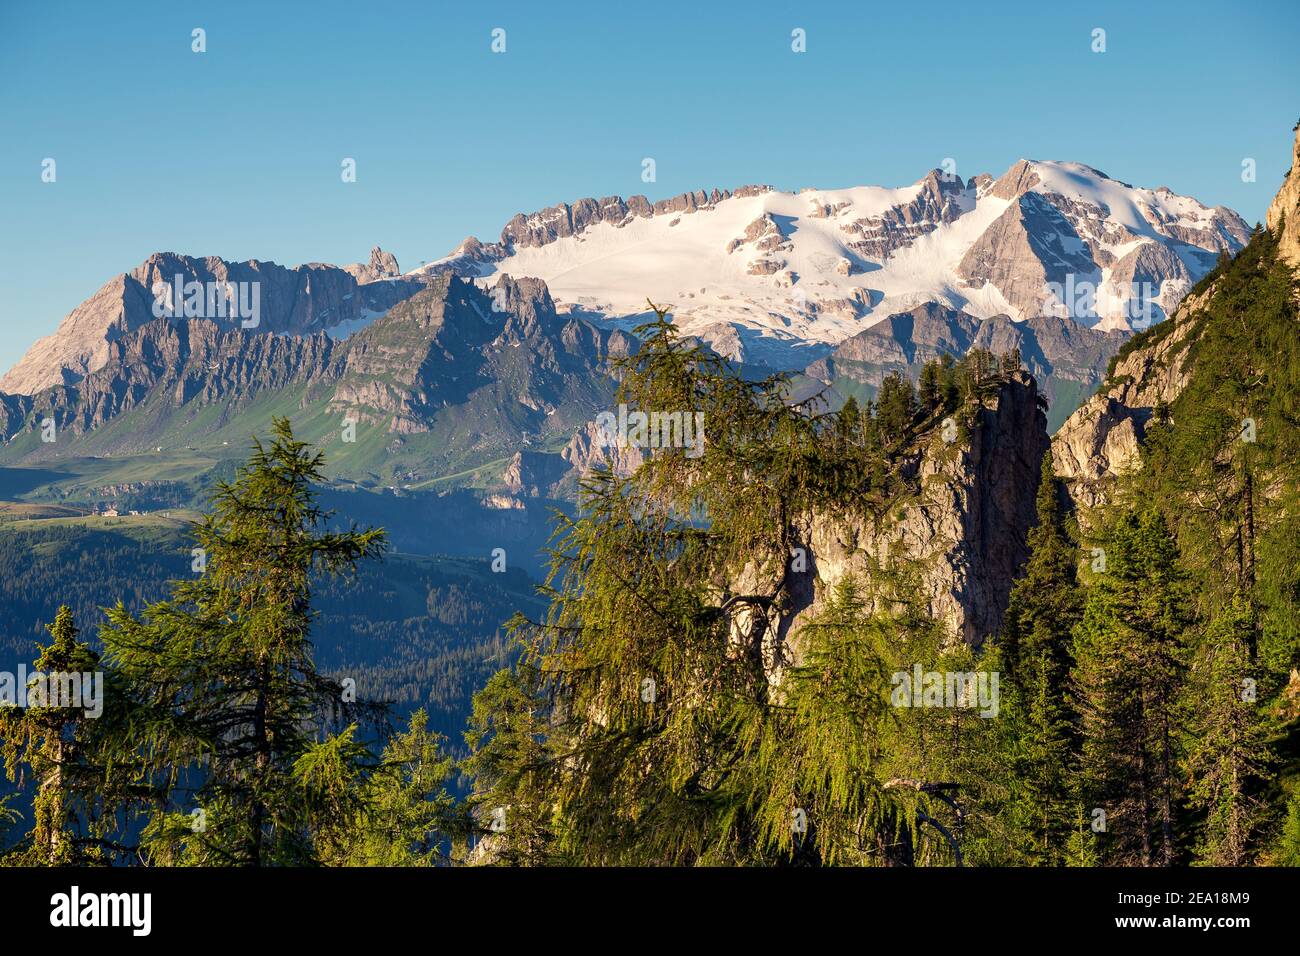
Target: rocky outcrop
[[1051, 347], [763, 233], [1101, 439], [964, 529], [382, 265], [937, 201], [552, 475], [1068, 360], [723, 339], [1221, 230], [15, 410], [1149, 281], [541, 228], [1015, 182], [493, 369], [449, 343], [169, 364], [1045, 240], [303, 299], [533, 473], [590, 448], [80, 344], [403, 367], [897, 343], [765, 267], [1284, 212]]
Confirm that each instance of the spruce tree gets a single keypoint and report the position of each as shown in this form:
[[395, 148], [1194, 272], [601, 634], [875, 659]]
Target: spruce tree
[[1041, 731], [516, 774], [1011, 361], [56, 741], [1220, 461], [8, 817], [848, 424], [1228, 750], [394, 812], [930, 386], [895, 408], [1129, 673], [225, 693], [1287, 852], [949, 386]]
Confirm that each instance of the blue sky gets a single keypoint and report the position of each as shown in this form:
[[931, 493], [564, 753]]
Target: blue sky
[[236, 152]]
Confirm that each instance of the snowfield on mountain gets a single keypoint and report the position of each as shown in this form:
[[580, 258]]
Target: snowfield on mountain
[[778, 277]]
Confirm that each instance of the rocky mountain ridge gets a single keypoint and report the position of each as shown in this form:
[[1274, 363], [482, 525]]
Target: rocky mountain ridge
[[290, 301], [793, 281], [962, 530], [453, 365]]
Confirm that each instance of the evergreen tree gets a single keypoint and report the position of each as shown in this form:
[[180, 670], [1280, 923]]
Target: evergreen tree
[[934, 750], [848, 423], [819, 757], [1229, 741], [393, 813], [1220, 460], [876, 464], [8, 817], [515, 772], [1288, 848], [930, 386], [225, 694], [979, 366], [1130, 659], [1082, 849], [949, 386], [895, 408], [1045, 602], [56, 740], [640, 724], [1040, 727]]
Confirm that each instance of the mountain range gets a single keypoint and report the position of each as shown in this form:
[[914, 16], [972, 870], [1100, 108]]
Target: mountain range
[[770, 276], [486, 367]]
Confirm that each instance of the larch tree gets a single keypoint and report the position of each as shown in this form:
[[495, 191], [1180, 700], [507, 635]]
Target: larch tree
[[657, 714]]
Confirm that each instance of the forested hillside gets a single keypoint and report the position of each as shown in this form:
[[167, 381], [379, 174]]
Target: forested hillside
[[414, 631]]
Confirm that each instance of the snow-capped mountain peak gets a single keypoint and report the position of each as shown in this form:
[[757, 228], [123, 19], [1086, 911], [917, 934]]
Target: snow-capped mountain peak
[[780, 276], [770, 277]]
